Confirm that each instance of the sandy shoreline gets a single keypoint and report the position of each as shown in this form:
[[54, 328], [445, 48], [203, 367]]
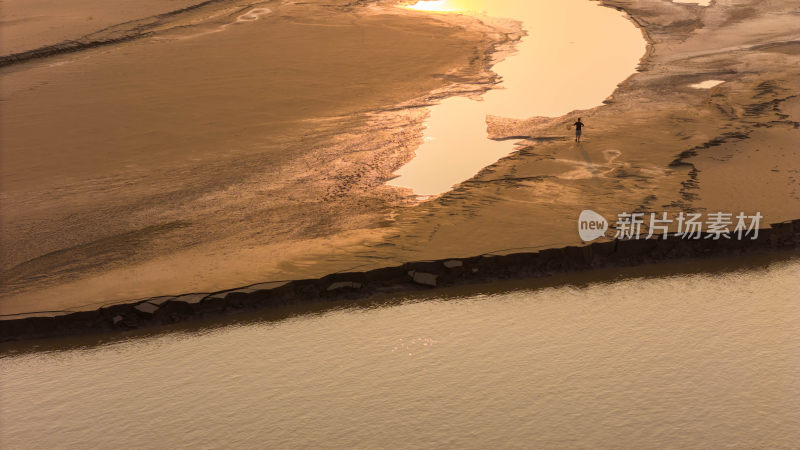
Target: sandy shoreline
[[656, 145]]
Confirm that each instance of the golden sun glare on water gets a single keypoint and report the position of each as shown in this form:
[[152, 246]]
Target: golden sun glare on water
[[447, 6], [432, 5]]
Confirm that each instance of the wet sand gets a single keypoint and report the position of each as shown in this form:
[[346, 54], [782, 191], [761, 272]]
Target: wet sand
[[656, 145], [175, 161], [305, 196]]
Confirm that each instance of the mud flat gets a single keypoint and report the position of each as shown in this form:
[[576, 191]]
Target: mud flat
[[307, 197], [656, 145], [211, 137]]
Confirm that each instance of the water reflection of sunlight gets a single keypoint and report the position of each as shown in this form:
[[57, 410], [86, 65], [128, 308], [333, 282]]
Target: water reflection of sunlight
[[451, 6], [433, 5], [573, 56]]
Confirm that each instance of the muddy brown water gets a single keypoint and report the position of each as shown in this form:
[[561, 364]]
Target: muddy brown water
[[706, 360]]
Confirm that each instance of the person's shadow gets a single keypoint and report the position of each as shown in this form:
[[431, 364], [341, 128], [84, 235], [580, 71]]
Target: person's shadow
[[586, 158]]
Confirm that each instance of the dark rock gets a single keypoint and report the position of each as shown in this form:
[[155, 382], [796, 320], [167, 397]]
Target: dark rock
[[344, 285], [146, 308], [453, 263], [426, 279], [396, 279]]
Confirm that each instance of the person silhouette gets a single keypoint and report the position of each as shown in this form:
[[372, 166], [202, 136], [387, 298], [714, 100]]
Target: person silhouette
[[578, 126]]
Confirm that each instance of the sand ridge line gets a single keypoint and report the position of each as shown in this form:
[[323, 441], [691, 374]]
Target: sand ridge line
[[144, 27]]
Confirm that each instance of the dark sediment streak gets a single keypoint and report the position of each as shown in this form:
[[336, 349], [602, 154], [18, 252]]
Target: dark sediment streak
[[409, 277], [115, 34], [137, 29]]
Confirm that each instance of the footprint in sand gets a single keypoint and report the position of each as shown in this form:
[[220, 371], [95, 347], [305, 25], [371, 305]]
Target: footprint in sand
[[253, 15], [588, 169]]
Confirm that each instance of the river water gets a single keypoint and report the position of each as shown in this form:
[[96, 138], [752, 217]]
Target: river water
[[573, 57], [706, 360]]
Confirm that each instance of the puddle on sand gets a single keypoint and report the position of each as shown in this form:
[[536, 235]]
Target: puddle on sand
[[696, 2], [574, 55], [707, 84]]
